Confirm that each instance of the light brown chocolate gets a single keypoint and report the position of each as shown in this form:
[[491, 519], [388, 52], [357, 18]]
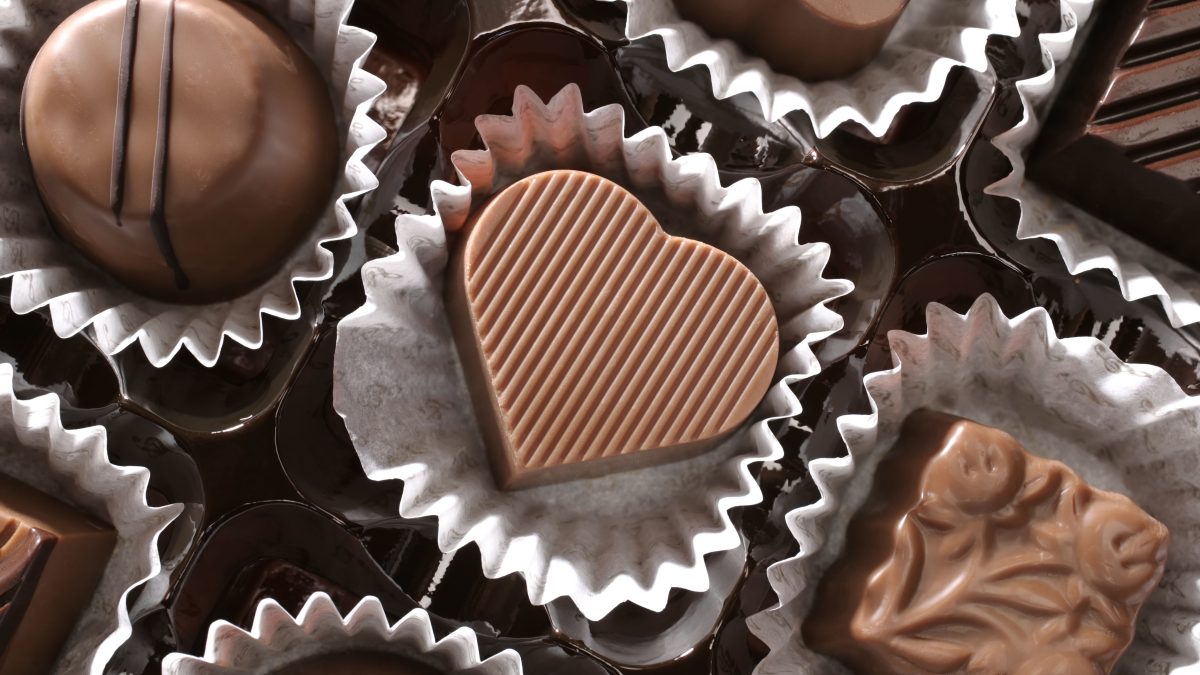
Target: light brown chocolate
[[809, 39], [186, 147], [51, 560], [358, 663], [974, 556], [593, 341]]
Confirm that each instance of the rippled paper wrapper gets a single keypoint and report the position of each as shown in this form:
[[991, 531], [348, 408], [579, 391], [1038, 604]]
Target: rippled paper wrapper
[[1085, 241], [277, 640], [931, 38], [1122, 427], [628, 537], [48, 272], [72, 465]]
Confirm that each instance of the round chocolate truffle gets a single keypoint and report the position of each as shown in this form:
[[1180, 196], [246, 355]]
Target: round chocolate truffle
[[359, 663], [184, 146]]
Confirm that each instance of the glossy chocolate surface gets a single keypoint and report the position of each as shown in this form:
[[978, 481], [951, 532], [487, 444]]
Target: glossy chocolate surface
[[972, 555], [1123, 139], [255, 449], [810, 39], [593, 341], [359, 663], [184, 146], [52, 556]]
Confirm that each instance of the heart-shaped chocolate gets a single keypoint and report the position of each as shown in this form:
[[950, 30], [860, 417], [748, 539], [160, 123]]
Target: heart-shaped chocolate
[[593, 341]]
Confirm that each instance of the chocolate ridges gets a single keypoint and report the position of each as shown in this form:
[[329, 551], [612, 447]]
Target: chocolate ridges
[[116, 191], [972, 555], [1152, 107], [23, 553], [50, 564], [599, 336], [1123, 138]]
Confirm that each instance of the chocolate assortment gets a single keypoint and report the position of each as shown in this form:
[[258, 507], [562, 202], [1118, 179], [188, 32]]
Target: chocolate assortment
[[596, 338]]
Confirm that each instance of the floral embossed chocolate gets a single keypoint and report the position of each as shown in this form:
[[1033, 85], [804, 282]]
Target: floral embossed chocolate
[[973, 556]]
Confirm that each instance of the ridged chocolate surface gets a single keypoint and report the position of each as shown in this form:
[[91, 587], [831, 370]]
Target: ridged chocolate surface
[[1123, 139], [1152, 108], [22, 552], [601, 335]]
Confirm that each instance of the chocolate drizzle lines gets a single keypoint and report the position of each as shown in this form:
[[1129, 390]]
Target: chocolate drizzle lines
[[116, 192], [158, 186]]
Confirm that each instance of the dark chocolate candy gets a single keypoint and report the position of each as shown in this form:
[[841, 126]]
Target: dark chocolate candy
[[972, 555], [359, 663], [184, 146], [595, 342], [1123, 139], [51, 559], [810, 39]]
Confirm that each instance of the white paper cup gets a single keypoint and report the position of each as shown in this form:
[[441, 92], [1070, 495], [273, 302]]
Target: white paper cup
[[629, 537], [931, 37], [1122, 427], [1085, 241], [48, 272], [277, 640], [72, 465]]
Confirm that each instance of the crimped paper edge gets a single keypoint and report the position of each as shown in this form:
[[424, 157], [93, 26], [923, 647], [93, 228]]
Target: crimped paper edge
[[732, 71], [502, 554], [779, 627], [277, 639], [1135, 276], [78, 458], [119, 316]]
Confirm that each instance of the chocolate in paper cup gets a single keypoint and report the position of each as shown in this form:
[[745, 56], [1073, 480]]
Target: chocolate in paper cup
[[73, 466], [930, 39], [627, 537], [1085, 242], [278, 640], [1122, 427], [48, 272]]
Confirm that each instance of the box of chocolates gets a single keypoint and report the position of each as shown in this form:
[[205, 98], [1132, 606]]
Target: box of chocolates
[[600, 337]]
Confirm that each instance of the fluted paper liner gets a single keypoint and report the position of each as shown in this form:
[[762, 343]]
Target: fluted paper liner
[[73, 465], [1085, 241], [48, 272], [1122, 427], [627, 537], [931, 38], [277, 640]]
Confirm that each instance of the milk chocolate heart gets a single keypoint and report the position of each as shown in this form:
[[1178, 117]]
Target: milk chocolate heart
[[594, 342]]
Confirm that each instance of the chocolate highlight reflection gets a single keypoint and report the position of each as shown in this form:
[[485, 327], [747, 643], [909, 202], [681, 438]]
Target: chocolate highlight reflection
[[51, 559], [184, 146], [1123, 138], [809, 39], [974, 556]]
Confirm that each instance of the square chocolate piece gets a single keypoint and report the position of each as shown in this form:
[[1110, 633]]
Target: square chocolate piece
[[1123, 138], [51, 559], [974, 556]]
